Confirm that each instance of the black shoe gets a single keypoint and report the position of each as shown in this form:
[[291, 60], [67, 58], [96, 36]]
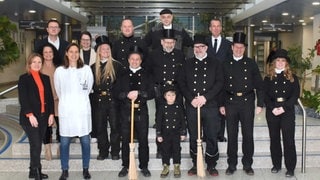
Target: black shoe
[[123, 172], [249, 171], [192, 171], [222, 139], [275, 169], [102, 157], [64, 175], [213, 171], [145, 172], [86, 174], [115, 157], [159, 155], [230, 171], [33, 173], [289, 174]]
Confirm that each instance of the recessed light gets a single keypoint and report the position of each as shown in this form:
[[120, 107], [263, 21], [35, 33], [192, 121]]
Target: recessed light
[[252, 25], [303, 24], [311, 17], [285, 14], [316, 3], [32, 11], [1, 0], [264, 21], [301, 20]]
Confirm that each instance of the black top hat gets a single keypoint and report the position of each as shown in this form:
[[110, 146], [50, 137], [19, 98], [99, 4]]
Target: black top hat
[[101, 40], [281, 53], [239, 37], [168, 87], [168, 34], [200, 39], [165, 11], [135, 50]]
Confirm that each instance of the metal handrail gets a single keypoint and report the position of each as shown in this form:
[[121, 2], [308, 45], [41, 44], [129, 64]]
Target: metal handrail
[[304, 138], [8, 90]]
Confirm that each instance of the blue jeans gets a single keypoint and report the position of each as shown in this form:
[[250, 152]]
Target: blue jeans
[[65, 151]]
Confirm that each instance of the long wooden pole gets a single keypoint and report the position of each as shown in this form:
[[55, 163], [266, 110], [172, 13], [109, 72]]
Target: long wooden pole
[[200, 164], [132, 174]]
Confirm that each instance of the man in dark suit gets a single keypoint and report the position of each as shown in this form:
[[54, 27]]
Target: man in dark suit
[[242, 84], [53, 29], [219, 48]]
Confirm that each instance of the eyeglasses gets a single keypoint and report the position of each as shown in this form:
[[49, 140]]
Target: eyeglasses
[[53, 27], [200, 46]]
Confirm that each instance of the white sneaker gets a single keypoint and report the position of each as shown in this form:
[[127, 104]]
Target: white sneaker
[[94, 140]]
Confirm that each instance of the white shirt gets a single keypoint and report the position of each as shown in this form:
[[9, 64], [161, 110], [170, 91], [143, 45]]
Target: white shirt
[[73, 87], [55, 43]]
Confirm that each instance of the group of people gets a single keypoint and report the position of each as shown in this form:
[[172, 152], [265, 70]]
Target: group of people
[[85, 90]]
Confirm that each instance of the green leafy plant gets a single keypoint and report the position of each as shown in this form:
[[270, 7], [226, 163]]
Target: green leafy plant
[[9, 51], [300, 64], [311, 100]]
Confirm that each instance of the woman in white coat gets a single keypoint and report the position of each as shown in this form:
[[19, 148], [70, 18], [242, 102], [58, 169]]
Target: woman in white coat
[[73, 82]]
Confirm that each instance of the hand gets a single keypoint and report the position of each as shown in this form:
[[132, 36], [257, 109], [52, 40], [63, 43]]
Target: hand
[[202, 100], [258, 110], [133, 95], [182, 138], [277, 111], [160, 139], [51, 120], [33, 121], [222, 110]]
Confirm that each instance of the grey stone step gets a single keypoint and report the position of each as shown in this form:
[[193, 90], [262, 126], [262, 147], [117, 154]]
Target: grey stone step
[[18, 164]]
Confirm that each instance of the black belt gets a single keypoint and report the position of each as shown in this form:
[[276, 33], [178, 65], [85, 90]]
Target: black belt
[[239, 94], [280, 99]]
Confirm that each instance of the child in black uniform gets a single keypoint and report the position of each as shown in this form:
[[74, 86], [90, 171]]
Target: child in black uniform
[[170, 128]]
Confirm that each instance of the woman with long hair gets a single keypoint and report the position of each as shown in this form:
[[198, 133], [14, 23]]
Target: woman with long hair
[[281, 93], [73, 82]]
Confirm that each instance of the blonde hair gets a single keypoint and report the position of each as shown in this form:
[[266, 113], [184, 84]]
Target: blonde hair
[[287, 71], [30, 58], [107, 72]]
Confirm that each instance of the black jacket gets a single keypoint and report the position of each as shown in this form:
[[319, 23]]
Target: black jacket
[[29, 97]]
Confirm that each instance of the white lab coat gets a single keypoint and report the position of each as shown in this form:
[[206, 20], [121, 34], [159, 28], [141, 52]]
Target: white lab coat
[[73, 87]]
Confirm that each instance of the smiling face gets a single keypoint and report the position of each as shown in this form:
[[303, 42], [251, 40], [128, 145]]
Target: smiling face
[[36, 63], [238, 49], [104, 51], [85, 41], [127, 28], [134, 60], [215, 28], [168, 44], [166, 19], [200, 50], [280, 63], [47, 53], [73, 55]]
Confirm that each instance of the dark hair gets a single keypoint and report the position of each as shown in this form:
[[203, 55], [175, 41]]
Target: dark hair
[[215, 19], [54, 50], [86, 33], [80, 63], [53, 20]]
